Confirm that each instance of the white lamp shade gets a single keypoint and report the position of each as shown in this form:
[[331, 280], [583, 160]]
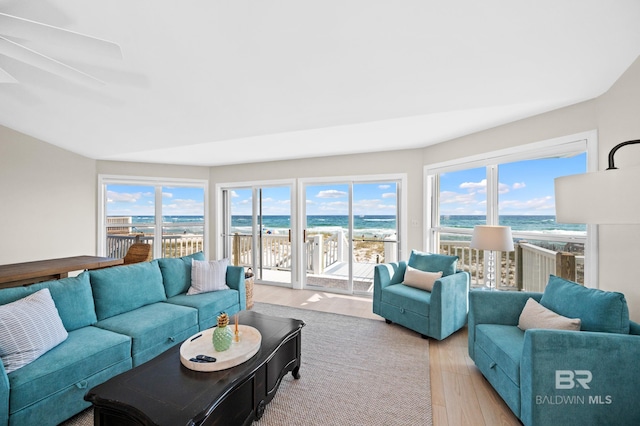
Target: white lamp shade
[[495, 238], [606, 197]]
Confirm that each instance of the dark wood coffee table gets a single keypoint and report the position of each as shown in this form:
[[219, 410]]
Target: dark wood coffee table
[[164, 392]]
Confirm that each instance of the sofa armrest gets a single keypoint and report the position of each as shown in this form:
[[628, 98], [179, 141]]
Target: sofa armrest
[[385, 275], [569, 377], [449, 304], [495, 307], [4, 396], [235, 280]]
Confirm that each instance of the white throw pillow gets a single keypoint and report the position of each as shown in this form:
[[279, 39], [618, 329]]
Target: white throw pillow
[[420, 279], [208, 275], [534, 315], [29, 327]]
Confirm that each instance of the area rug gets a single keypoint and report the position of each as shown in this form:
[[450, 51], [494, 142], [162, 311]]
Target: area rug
[[354, 371]]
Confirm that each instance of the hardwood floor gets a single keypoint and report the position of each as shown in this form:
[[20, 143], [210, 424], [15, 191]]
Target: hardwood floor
[[460, 395]]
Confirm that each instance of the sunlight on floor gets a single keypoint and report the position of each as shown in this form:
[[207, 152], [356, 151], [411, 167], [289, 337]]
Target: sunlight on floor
[[317, 297]]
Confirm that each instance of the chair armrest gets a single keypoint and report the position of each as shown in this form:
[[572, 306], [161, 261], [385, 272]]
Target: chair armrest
[[495, 307], [449, 304], [385, 275], [235, 280], [4, 396], [569, 377]]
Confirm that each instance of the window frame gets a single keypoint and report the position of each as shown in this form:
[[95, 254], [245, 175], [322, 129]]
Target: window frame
[[158, 183], [566, 145]]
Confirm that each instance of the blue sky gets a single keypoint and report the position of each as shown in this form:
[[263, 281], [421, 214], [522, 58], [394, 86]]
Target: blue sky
[[330, 199], [138, 200], [525, 187]]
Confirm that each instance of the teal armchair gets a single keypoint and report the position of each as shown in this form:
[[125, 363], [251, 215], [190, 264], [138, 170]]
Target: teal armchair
[[437, 313], [559, 377]]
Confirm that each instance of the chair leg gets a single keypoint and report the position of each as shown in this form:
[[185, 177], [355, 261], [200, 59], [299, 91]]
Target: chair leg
[[388, 321]]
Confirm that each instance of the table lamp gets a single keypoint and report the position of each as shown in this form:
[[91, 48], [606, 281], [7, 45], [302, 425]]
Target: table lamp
[[492, 238]]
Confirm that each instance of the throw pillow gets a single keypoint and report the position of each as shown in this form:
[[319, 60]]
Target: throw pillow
[[420, 279], [433, 262], [29, 328], [603, 311], [176, 273], [534, 315], [208, 276]]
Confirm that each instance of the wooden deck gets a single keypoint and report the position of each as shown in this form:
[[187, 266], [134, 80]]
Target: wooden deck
[[334, 277]]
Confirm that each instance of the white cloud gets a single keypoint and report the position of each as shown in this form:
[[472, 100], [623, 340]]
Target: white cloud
[[331, 193], [474, 185], [123, 197], [519, 185], [167, 195], [389, 195], [450, 197], [532, 205], [234, 194], [384, 186]]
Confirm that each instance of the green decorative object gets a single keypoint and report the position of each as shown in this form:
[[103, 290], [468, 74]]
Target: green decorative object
[[222, 335]]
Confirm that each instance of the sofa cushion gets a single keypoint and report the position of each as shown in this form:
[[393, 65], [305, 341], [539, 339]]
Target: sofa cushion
[[152, 325], [420, 279], [72, 296], [408, 298], [433, 262], [122, 289], [86, 351], [604, 311], [209, 305], [176, 273], [534, 315], [503, 344], [208, 276], [29, 328]]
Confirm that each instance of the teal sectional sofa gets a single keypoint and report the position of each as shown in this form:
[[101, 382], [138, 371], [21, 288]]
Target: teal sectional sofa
[[116, 318], [559, 377]]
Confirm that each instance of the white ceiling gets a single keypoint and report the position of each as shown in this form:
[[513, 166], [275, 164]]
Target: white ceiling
[[212, 82]]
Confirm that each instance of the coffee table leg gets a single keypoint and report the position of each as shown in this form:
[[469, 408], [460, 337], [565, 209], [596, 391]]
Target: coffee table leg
[[296, 372]]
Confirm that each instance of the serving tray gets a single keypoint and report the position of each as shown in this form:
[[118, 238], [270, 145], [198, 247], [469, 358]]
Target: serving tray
[[239, 352]]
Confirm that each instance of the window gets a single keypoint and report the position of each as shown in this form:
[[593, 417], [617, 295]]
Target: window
[[513, 189], [169, 215]]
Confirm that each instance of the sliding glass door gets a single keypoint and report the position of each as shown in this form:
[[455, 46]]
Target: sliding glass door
[[349, 227], [257, 231]]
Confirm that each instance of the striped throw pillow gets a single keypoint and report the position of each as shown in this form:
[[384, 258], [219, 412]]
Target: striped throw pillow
[[29, 328], [208, 276]]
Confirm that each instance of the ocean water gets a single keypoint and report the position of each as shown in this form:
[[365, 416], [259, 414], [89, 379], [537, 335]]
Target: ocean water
[[376, 226], [540, 224]]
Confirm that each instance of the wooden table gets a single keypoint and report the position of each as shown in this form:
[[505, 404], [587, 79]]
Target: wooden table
[[163, 392], [18, 274]]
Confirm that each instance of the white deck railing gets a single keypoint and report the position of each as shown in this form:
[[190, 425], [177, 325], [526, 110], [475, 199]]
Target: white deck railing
[[527, 268], [172, 245]]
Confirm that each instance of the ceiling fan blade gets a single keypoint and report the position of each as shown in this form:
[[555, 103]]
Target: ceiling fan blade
[[5, 77], [13, 26], [20, 53]]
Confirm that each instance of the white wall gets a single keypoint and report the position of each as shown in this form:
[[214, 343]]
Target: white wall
[[619, 121], [47, 200], [615, 115]]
